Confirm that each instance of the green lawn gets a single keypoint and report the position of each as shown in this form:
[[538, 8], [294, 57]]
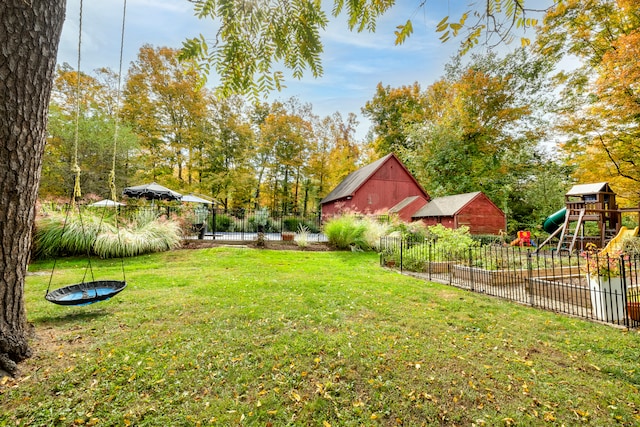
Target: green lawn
[[233, 336]]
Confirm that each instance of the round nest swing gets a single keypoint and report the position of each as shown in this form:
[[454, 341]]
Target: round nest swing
[[86, 293]]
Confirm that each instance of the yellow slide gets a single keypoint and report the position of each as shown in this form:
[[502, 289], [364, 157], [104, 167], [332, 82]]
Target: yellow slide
[[615, 244]]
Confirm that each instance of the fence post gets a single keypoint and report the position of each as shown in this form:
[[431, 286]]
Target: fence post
[[471, 281], [401, 252], [429, 258], [623, 271], [530, 278]]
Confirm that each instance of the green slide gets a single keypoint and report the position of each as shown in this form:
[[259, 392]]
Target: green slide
[[554, 221]]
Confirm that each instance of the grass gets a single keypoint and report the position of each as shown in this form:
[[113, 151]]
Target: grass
[[232, 336]]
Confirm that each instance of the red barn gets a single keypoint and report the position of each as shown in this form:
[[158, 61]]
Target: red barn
[[377, 187], [474, 210]]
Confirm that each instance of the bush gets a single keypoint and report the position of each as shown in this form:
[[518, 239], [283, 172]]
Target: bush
[[453, 241], [415, 231], [261, 221], [415, 258], [346, 232], [223, 223], [292, 224]]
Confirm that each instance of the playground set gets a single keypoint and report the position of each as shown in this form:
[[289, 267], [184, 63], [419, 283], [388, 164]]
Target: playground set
[[587, 204]]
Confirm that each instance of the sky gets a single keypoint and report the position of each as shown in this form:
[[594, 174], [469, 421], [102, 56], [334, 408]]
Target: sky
[[354, 63]]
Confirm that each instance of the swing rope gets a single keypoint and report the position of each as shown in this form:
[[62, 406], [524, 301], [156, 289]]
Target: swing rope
[[112, 173], [112, 286], [77, 191]]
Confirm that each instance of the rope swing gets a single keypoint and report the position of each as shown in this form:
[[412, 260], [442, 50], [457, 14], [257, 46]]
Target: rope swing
[[92, 291]]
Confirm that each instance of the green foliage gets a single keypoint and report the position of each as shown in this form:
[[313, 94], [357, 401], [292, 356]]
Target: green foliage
[[89, 234], [414, 258], [415, 231], [253, 39], [295, 223], [223, 223], [455, 241], [346, 232], [261, 221], [291, 224]]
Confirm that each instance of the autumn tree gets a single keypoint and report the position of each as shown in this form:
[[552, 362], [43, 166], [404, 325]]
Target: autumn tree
[[227, 174], [483, 123], [393, 111], [334, 155], [601, 107], [165, 104], [86, 123], [288, 135]]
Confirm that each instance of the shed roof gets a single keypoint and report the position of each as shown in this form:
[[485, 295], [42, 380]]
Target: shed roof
[[403, 204], [580, 189], [446, 206]]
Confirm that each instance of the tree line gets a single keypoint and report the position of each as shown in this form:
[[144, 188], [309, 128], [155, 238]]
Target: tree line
[[176, 131]]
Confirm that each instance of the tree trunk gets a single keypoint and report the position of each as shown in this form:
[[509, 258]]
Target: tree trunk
[[29, 36]]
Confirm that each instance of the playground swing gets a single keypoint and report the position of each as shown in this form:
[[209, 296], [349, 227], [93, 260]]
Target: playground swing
[[89, 292]]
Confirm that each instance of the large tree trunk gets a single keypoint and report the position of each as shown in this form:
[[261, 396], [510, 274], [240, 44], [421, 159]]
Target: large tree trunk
[[29, 36]]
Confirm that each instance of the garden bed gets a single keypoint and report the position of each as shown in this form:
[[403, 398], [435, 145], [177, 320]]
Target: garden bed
[[513, 277], [567, 289]]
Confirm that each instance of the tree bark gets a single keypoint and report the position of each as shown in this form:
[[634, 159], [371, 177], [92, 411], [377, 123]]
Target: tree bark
[[29, 35]]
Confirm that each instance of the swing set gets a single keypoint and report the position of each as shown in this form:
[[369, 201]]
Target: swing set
[[90, 291]]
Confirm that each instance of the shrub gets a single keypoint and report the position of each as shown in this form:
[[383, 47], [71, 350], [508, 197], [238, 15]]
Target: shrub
[[292, 224], [415, 258], [415, 231], [223, 223], [260, 221], [453, 241], [346, 232]]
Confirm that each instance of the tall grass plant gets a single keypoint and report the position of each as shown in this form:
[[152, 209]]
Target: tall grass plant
[[59, 235]]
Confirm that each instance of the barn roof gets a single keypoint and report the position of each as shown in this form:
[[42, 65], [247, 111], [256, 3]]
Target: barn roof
[[581, 189], [445, 206], [355, 180]]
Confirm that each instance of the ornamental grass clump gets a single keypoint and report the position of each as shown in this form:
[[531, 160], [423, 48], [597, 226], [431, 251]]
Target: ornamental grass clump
[[302, 236], [346, 232], [58, 235]]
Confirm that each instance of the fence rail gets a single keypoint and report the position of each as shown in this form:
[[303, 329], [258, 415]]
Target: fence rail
[[593, 286], [239, 224]]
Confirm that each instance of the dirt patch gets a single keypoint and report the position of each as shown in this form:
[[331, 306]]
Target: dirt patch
[[273, 245]]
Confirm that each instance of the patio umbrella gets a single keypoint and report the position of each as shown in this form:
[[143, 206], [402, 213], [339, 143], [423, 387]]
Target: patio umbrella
[[107, 202], [191, 198], [152, 191]]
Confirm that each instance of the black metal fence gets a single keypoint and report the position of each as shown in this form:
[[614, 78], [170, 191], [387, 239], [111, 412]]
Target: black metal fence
[[238, 225], [594, 286]]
